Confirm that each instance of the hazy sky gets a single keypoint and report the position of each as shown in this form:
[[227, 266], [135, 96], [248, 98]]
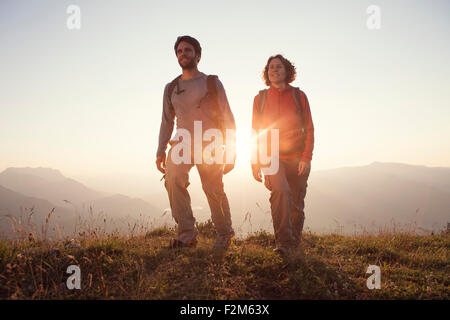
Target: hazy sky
[[88, 102]]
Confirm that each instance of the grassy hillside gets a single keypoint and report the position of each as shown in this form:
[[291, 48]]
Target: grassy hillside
[[141, 267]]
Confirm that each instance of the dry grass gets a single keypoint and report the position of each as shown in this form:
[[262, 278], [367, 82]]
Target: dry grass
[[139, 266]]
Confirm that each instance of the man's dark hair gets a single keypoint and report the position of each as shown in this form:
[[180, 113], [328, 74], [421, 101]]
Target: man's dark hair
[[291, 73], [190, 40]]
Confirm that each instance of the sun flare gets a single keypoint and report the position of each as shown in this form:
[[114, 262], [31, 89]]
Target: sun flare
[[243, 146]]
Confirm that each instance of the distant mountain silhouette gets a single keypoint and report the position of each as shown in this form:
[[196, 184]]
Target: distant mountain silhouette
[[49, 184], [345, 199], [24, 212], [9, 200], [45, 188], [380, 194], [119, 206], [44, 173]]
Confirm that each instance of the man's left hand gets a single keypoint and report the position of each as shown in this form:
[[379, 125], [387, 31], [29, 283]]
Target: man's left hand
[[303, 167]]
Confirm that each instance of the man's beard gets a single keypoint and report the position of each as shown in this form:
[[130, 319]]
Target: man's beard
[[191, 64]]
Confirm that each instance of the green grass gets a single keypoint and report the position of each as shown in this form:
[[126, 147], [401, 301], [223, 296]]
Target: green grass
[[141, 267]]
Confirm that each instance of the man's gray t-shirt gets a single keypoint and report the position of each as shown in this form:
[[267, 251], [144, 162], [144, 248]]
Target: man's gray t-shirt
[[190, 102]]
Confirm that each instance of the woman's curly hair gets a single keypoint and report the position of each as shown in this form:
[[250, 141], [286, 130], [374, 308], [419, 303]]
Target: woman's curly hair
[[291, 73]]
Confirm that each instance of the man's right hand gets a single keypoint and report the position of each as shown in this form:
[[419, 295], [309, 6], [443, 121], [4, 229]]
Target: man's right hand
[[256, 170], [161, 163]]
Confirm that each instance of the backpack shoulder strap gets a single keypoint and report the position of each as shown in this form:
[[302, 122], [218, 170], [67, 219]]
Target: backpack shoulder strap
[[297, 98], [262, 101], [297, 93], [172, 86], [211, 85]]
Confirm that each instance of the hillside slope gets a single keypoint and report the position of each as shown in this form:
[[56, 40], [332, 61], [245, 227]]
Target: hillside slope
[[141, 267]]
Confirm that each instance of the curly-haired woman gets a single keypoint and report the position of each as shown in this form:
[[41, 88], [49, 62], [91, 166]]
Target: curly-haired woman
[[285, 108]]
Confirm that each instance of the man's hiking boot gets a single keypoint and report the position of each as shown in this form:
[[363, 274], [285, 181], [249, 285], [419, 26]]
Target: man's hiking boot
[[223, 242], [175, 243]]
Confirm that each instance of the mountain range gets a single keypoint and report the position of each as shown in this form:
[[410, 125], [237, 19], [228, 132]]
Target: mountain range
[[28, 195], [350, 199], [370, 198]]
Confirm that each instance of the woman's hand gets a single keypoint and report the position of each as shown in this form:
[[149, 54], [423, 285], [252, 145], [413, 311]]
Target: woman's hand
[[303, 167], [256, 171]]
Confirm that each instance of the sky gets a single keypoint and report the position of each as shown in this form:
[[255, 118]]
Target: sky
[[88, 101]]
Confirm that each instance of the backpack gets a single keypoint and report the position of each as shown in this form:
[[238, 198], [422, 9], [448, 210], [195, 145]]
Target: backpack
[[211, 91], [298, 101]]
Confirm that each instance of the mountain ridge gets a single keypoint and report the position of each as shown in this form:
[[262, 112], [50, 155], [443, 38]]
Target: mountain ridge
[[377, 193]]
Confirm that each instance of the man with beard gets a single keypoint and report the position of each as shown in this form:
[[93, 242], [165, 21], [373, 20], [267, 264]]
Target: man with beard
[[194, 97]]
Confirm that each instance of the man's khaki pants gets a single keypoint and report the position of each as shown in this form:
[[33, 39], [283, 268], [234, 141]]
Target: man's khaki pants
[[176, 183], [287, 202]]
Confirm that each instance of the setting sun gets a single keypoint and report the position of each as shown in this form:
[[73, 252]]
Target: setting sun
[[243, 146]]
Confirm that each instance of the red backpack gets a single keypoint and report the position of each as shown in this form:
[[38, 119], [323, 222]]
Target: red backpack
[[296, 92]]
